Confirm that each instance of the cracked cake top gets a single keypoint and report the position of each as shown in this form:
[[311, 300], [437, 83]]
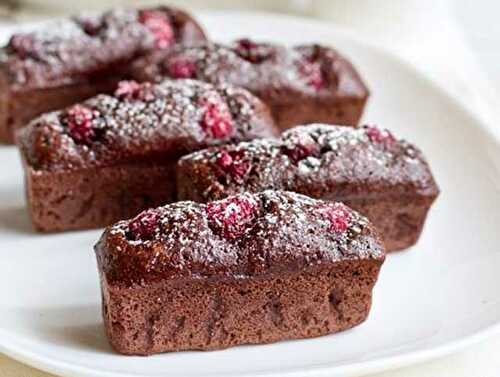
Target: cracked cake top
[[268, 70], [142, 122], [242, 235], [70, 50], [316, 160]]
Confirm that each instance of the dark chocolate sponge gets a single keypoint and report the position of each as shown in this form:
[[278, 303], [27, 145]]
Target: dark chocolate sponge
[[252, 268]]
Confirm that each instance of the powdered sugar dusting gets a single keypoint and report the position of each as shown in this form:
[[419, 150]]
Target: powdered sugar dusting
[[233, 216], [339, 141], [315, 160], [268, 207], [264, 68], [246, 234], [143, 120], [60, 51]]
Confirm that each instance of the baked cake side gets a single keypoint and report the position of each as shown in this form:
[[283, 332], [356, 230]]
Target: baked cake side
[[303, 84], [112, 156], [69, 60], [386, 179], [253, 268]]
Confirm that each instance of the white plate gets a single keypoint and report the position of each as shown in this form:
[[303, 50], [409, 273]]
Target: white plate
[[429, 301]]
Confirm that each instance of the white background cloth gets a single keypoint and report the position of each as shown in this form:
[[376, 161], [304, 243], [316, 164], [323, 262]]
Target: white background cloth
[[455, 42]]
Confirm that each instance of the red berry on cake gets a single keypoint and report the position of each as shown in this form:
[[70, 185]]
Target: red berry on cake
[[302, 151], [232, 163], [311, 73], [217, 120], [245, 44], [22, 44], [128, 89], [224, 160], [79, 120], [232, 217], [251, 51], [159, 24], [376, 135], [339, 217], [132, 90], [144, 225], [91, 25], [181, 67], [298, 150]]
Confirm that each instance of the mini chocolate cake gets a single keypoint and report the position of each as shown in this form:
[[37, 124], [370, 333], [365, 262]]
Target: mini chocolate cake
[[303, 84], [110, 157], [367, 168], [252, 268], [73, 59]]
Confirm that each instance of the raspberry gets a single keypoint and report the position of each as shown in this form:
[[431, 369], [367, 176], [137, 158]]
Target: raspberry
[[225, 160], [312, 73], [128, 89], [143, 226], [132, 90], [78, 119], [181, 68], [251, 51], [232, 162], [90, 25], [246, 44], [339, 217], [217, 120], [158, 23], [376, 135], [22, 44], [231, 217], [302, 149]]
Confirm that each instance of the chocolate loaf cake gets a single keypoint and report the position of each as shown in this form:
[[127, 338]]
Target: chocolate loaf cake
[[70, 60], [110, 157], [252, 268], [367, 168], [303, 84]]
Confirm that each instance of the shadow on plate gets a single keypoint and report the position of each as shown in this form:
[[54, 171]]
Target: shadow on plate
[[15, 219], [76, 327]]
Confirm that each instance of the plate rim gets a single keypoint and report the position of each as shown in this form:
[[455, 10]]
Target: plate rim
[[387, 363], [384, 363]]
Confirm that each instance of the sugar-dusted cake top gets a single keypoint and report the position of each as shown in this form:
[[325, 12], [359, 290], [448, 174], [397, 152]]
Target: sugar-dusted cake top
[[243, 235], [268, 70], [317, 160], [143, 122], [69, 50]]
